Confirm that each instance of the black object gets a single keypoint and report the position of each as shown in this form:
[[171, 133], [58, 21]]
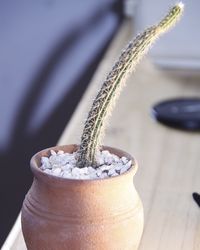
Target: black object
[[181, 113], [196, 197]]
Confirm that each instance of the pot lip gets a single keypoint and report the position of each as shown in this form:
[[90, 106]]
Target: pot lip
[[38, 173]]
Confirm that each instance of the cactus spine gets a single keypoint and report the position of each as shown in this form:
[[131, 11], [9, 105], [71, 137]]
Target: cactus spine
[[114, 82]]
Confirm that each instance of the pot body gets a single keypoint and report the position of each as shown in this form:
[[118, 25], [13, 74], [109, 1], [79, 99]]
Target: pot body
[[60, 214]]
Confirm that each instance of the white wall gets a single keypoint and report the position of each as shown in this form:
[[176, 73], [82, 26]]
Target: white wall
[[180, 48]]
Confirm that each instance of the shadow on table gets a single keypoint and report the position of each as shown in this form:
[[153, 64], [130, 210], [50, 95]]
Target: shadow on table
[[16, 177]]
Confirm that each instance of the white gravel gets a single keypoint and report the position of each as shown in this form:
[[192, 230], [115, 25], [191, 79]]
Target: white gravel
[[63, 165]]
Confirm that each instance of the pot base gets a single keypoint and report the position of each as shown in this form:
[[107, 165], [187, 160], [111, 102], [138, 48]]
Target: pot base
[[70, 214]]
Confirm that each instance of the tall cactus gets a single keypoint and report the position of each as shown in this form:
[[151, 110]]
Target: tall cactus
[[105, 99]]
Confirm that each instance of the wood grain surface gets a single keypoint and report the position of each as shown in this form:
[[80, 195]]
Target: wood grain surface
[[169, 160]]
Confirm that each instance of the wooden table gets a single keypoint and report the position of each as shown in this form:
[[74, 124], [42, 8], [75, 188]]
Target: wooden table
[[169, 160]]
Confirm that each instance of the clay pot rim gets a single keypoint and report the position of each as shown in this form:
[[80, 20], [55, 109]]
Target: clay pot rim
[[38, 173]]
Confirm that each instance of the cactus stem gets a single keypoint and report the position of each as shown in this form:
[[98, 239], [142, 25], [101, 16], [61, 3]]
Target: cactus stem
[[111, 88]]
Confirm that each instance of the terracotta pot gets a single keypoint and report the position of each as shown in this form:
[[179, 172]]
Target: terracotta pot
[[60, 214]]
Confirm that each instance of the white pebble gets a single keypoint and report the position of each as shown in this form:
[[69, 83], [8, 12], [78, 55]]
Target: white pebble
[[60, 152], [105, 152], [64, 165], [101, 161], [92, 176], [124, 169], [104, 167], [114, 174], [111, 171], [115, 158], [56, 171], [124, 159], [57, 160], [84, 177], [68, 176], [52, 152], [45, 163], [48, 171], [103, 175], [75, 171], [99, 172], [129, 164], [119, 166], [46, 166], [83, 170], [91, 170], [108, 160], [44, 159]]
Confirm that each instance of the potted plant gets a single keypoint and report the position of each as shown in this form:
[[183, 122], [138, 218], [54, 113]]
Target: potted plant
[[83, 196]]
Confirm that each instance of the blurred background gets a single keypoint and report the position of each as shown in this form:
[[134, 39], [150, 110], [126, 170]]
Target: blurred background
[[180, 47], [49, 51]]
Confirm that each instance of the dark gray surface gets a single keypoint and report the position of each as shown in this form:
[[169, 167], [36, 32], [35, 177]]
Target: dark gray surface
[[30, 31], [48, 53]]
